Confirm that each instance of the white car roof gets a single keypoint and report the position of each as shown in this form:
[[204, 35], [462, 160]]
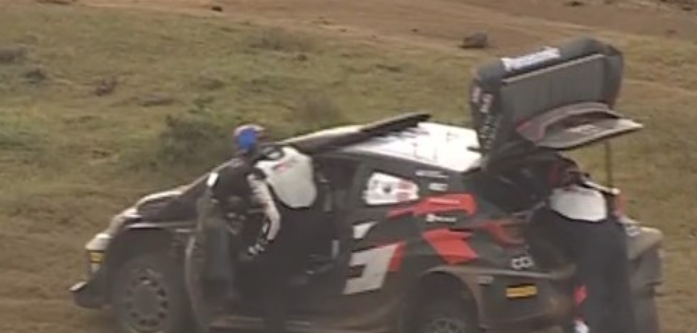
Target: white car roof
[[432, 143]]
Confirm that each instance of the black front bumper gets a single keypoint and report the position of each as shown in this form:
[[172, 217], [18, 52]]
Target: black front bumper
[[90, 294]]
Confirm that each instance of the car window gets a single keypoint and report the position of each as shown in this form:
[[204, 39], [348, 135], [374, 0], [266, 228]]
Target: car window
[[382, 189]]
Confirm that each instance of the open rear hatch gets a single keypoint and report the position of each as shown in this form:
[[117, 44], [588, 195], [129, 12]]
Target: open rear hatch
[[560, 98]]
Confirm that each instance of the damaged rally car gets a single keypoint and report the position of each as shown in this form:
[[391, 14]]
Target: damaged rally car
[[426, 229]]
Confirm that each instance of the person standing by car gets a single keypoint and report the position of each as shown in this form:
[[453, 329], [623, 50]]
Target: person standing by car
[[281, 181], [581, 221]]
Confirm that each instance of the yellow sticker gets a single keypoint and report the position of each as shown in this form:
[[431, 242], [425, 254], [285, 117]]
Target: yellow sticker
[[96, 257], [521, 291]]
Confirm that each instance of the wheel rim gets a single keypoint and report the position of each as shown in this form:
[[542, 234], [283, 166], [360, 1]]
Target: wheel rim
[[442, 324], [145, 302]]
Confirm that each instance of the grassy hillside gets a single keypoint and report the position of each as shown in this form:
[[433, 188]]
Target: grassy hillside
[[98, 107]]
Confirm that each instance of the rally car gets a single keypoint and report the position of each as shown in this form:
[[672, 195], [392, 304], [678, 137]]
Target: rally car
[[426, 229]]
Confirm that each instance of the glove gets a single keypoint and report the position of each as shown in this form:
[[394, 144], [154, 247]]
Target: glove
[[246, 257], [252, 252]]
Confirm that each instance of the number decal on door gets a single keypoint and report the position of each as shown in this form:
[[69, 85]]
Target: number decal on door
[[376, 264]]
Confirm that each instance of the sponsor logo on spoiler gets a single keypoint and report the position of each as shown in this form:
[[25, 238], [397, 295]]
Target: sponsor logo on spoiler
[[532, 59]]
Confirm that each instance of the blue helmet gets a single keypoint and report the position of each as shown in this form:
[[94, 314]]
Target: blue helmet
[[247, 136]]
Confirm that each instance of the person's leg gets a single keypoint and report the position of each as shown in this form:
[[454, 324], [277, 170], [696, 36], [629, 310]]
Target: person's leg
[[603, 269], [618, 275], [274, 305], [218, 269], [593, 292], [286, 258], [583, 243], [277, 270]]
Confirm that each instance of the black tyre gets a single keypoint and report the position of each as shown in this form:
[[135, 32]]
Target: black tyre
[[448, 314], [148, 295]]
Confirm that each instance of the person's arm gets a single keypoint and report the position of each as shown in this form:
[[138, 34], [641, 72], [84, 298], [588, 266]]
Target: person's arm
[[272, 219]]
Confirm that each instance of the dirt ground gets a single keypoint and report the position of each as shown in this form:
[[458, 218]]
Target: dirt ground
[[437, 24], [512, 24]]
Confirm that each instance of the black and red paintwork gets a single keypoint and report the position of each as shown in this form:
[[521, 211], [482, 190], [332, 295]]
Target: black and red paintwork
[[444, 236]]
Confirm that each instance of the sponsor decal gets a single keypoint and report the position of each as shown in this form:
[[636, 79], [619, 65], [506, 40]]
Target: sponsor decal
[[376, 263], [631, 229], [438, 187], [433, 218], [96, 257], [586, 129], [487, 133], [431, 174], [522, 262], [485, 279], [531, 59], [521, 291], [476, 93], [487, 100]]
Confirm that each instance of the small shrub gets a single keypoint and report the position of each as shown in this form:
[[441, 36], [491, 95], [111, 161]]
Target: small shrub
[[316, 110], [21, 144], [195, 140], [190, 138], [279, 39], [106, 86], [155, 99], [35, 75], [12, 139], [13, 54], [686, 5]]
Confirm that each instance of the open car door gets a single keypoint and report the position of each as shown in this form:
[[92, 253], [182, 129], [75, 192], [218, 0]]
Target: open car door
[[560, 98]]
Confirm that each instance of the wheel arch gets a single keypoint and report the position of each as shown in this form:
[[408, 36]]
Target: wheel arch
[[432, 284], [137, 241]]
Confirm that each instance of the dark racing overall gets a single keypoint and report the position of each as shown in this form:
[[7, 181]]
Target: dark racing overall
[[281, 182], [580, 221], [557, 99]]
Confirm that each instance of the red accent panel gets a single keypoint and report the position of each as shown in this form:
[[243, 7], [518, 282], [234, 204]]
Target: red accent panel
[[439, 204], [397, 258], [580, 294], [450, 245], [497, 228]]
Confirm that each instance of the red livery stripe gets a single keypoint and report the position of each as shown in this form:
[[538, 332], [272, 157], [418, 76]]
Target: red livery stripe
[[397, 258], [450, 245], [438, 204]]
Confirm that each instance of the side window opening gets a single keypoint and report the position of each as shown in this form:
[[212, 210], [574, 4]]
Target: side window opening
[[339, 173], [382, 189]]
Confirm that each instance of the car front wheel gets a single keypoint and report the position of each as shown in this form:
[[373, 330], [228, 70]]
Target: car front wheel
[[148, 295], [446, 315]]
